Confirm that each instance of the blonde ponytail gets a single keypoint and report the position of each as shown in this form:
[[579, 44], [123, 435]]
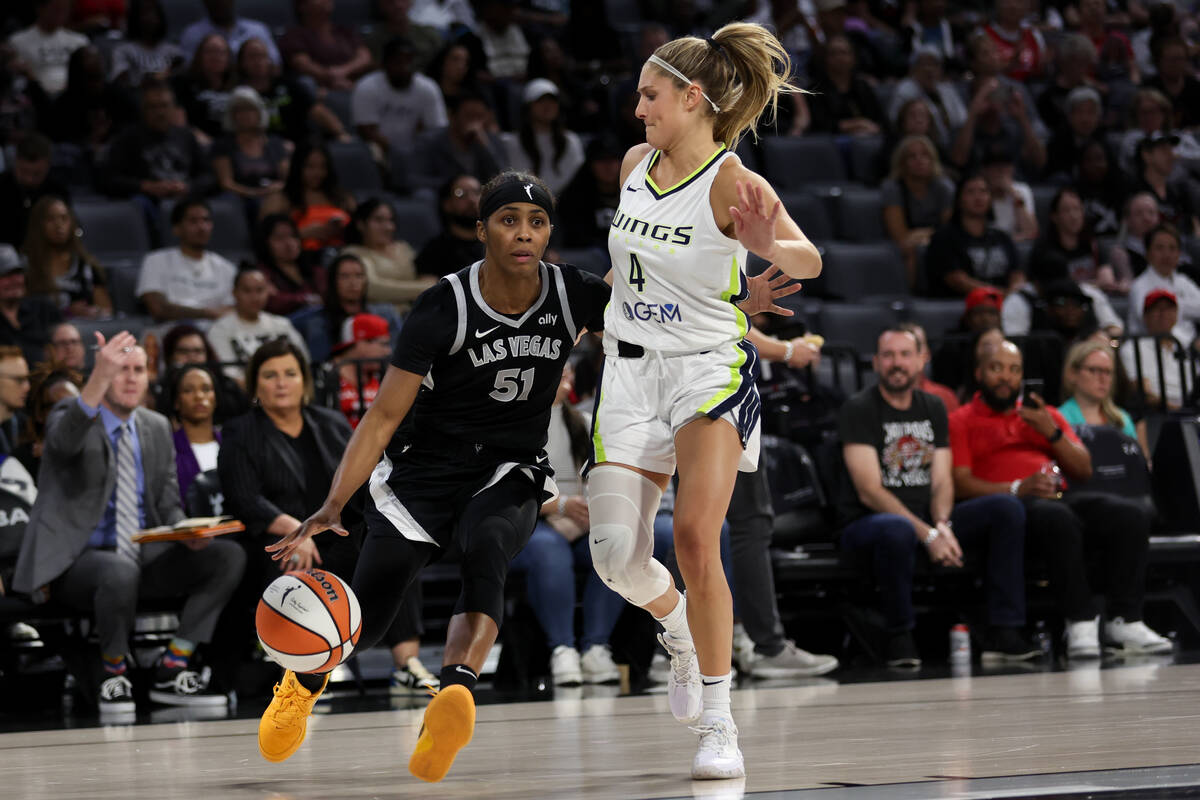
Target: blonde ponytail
[[743, 69]]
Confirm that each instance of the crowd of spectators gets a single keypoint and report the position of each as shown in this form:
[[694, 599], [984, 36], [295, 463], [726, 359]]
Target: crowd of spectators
[[289, 185]]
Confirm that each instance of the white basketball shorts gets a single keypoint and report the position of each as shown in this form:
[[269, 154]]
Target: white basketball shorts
[[642, 402]]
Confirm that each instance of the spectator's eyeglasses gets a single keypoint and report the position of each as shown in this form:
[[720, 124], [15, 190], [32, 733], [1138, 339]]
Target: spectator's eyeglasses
[[1098, 372]]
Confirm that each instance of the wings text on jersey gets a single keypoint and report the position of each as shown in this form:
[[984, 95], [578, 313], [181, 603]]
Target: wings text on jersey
[[680, 235]]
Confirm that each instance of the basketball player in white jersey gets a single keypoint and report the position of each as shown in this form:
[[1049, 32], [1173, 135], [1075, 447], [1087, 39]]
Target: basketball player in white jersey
[[678, 389]]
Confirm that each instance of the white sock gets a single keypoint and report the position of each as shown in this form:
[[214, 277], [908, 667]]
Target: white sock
[[715, 692], [675, 622]]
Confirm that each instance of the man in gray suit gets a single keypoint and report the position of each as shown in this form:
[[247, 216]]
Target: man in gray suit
[[108, 469]]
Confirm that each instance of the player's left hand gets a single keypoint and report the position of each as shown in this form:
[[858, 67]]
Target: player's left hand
[[765, 288], [753, 222]]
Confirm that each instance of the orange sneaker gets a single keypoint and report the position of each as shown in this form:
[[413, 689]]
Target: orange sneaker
[[283, 725], [448, 726]]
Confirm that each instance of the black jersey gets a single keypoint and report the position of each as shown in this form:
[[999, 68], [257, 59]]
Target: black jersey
[[491, 378]]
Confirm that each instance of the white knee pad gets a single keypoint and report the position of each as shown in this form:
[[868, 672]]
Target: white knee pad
[[622, 505]]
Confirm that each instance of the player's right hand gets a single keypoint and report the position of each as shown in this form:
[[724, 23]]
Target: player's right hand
[[327, 518]]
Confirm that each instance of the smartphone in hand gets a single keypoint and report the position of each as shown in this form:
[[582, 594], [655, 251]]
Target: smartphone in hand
[[1031, 386]]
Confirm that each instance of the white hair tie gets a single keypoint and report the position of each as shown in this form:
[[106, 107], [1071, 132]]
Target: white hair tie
[[659, 62]]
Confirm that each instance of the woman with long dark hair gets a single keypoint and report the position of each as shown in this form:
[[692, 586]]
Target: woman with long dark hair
[[542, 145], [203, 90], [192, 400], [146, 49], [60, 267], [345, 296], [968, 252], [314, 198], [297, 279], [390, 262]]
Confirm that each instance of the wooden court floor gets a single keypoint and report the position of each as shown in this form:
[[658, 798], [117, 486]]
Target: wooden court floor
[[821, 735]]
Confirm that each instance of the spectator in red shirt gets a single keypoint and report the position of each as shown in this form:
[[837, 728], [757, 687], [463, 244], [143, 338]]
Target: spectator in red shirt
[[365, 347], [1020, 46], [1003, 445]]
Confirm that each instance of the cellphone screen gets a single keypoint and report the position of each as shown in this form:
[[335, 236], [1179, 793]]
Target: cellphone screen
[[1033, 385]]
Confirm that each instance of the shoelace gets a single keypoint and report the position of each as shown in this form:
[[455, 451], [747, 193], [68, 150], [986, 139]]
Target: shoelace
[[187, 682], [681, 665], [290, 706], [715, 736], [115, 687]]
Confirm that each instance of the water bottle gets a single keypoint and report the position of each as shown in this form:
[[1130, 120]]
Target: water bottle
[[960, 644]]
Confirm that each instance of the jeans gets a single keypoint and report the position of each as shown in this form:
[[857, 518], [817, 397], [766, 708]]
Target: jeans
[[549, 562], [991, 528], [1060, 531]]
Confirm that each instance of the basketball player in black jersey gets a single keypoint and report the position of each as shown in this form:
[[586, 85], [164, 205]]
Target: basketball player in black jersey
[[478, 362]]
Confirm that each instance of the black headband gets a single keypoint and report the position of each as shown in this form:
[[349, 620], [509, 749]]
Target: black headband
[[720, 48], [516, 192]]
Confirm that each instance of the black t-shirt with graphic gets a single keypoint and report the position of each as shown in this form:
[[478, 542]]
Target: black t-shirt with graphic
[[905, 441], [989, 258]]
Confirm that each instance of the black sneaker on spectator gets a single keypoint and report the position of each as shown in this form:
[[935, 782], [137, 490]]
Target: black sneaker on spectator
[[1008, 645], [901, 651], [116, 697], [180, 686]]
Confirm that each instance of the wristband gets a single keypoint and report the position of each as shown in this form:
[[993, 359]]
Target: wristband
[[1054, 437], [1014, 487], [562, 504], [789, 349]]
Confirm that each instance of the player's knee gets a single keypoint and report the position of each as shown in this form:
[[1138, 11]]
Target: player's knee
[[625, 568]]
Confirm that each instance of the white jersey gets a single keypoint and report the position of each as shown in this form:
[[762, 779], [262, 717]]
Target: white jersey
[[676, 277]]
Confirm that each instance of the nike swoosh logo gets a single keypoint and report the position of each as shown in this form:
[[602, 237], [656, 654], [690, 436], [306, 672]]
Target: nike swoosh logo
[[710, 683], [598, 541], [459, 668], [630, 189], [480, 334]]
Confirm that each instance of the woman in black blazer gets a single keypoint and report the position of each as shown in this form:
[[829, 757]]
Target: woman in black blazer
[[276, 464]]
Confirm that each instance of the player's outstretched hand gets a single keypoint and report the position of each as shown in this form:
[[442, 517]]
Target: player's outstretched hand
[[753, 221], [767, 287], [327, 518]]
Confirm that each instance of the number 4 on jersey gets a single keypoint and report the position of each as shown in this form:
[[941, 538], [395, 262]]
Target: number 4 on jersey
[[636, 279]]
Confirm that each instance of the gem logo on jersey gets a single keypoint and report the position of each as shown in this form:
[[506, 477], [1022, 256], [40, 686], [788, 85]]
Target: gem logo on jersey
[[662, 313]]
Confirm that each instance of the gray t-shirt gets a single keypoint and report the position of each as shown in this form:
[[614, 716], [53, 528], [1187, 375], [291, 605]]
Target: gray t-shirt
[[920, 212]]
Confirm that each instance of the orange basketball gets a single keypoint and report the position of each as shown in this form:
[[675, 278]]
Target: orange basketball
[[308, 621]]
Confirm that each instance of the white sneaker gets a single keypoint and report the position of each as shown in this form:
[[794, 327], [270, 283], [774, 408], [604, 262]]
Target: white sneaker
[[1083, 638], [598, 665], [717, 756], [1134, 637], [684, 694], [792, 662], [743, 650], [565, 667]]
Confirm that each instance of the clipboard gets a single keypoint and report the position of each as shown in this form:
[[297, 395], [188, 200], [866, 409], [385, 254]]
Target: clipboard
[[189, 530]]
